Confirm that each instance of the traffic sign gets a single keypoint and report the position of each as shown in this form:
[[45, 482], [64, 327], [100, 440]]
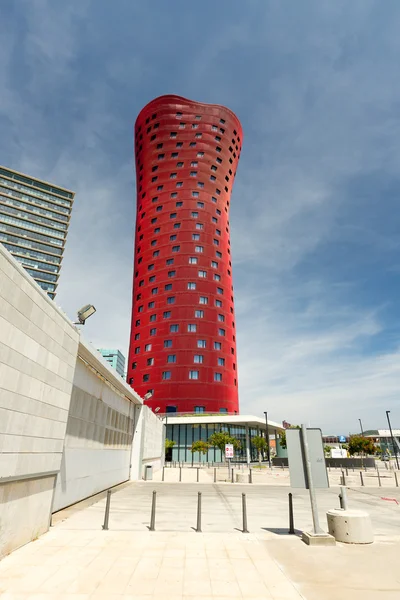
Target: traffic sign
[[228, 450], [342, 439], [297, 465]]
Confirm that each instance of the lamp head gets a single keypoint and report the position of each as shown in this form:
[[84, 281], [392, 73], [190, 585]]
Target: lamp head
[[85, 312]]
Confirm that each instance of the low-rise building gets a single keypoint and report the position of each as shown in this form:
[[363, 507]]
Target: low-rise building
[[383, 439], [187, 428]]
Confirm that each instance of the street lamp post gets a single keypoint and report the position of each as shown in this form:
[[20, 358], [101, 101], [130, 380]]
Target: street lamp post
[[362, 430], [391, 435], [267, 436]]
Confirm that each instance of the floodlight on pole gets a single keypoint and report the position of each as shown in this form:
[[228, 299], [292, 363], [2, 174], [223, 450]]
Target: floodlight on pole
[[267, 438], [84, 313]]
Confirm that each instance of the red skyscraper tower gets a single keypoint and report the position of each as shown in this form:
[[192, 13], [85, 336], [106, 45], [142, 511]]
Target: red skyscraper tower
[[183, 339]]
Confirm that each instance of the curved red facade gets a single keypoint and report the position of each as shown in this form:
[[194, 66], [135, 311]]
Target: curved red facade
[[182, 344]]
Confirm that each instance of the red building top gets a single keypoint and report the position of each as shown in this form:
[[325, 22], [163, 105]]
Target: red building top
[[183, 340]]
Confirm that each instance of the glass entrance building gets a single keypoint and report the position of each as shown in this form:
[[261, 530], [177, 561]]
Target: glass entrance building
[[185, 429], [34, 220]]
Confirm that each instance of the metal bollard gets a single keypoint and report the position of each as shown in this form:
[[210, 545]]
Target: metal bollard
[[198, 474], [107, 513], [379, 478], [250, 476], [342, 478], [283, 468], [347, 472], [386, 465], [153, 512], [198, 528], [343, 498], [180, 473], [163, 469], [233, 476], [362, 478], [395, 478], [244, 514], [215, 475], [291, 519]]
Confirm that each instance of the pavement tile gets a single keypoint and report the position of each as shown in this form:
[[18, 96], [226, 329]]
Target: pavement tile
[[196, 587], [225, 588]]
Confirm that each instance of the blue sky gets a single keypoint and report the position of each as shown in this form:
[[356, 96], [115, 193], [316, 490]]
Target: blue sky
[[314, 212]]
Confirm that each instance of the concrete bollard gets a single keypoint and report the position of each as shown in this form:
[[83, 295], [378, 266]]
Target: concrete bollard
[[107, 512], [350, 526]]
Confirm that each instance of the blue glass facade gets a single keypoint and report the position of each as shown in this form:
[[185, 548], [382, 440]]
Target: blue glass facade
[[184, 434], [115, 358], [34, 220]]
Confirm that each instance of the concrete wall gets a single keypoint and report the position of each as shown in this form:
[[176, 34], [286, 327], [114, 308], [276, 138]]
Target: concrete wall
[[150, 436], [70, 426], [38, 349], [97, 450]]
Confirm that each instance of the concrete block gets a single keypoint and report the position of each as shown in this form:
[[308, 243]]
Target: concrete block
[[350, 526], [318, 539]]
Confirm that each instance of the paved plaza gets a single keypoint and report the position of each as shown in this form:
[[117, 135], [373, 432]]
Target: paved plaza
[[77, 560]]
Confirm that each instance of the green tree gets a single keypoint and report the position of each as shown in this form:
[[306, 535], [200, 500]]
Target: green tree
[[359, 444], [282, 440], [200, 446], [260, 443], [327, 449], [219, 439], [169, 444]]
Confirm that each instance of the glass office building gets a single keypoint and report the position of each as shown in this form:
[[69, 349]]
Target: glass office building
[[115, 358], [34, 220]]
